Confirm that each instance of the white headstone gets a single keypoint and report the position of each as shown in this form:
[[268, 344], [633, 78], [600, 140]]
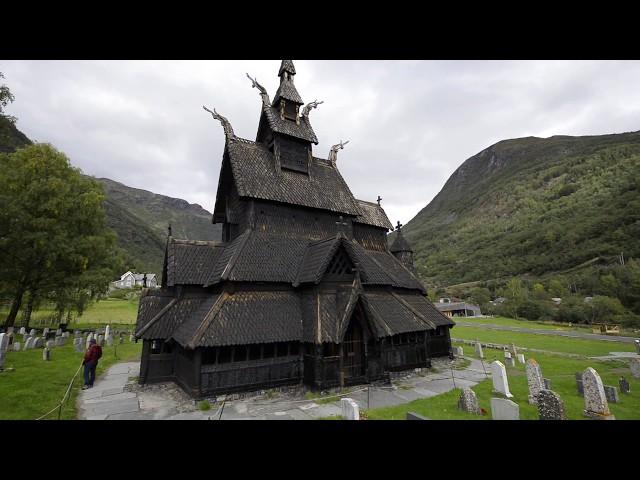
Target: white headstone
[[350, 409], [499, 377], [89, 338], [16, 346], [45, 331], [109, 340], [49, 344], [520, 357], [39, 342], [100, 340], [22, 330], [46, 354], [479, 351], [637, 344], [510, 362], [77, 344], [634, 364], [32, 332], [4, 346], [107, 331], [507, 354], [58, 332], [503, 409], [28, 344], [595, 400]]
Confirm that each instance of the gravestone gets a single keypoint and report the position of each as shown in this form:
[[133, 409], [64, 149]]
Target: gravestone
[[22, 330], [547, 383], [28, 344], [58, 332], [59, 341], [100, 340], [46, 354], [611, 393], [520, 357], [637, 344], [510, 362], [534, 380], [499, 377], [49, 344], [479, 352], [350, 409], [16, 346], [595, 400], [579, 384], [45, 331], [507, 354], [32, 332], [634, 364], [4, 347], [468, 401], [77, 333], [77, 344], [121, 339], [107, 331], [550, 406], [513, 350], [89, 338], [624, 385], [39, 342], [66, 334], [503, 409], [131, 339], [109, 340]]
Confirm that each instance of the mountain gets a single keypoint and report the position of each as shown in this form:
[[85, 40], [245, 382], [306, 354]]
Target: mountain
[[530, 206], [139, 217]]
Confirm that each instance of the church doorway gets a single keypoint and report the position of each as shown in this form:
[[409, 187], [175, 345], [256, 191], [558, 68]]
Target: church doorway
[[353, 353]]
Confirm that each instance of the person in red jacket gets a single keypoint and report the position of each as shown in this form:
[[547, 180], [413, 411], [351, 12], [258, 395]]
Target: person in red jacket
[[91, 357]]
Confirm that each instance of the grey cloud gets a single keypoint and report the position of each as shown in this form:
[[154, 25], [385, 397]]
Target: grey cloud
[[410, 123]]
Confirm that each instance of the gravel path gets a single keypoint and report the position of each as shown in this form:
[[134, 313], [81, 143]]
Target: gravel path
[[117, 396]]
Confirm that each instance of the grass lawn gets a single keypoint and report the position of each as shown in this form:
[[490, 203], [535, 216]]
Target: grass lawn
[[108, 311], [560, 370], [542, 342], [512, 322], [34, 386]]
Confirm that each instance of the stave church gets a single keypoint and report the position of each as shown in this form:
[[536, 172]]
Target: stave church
[[303, 287]]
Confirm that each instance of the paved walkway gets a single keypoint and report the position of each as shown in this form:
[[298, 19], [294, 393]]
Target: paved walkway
[[559, 333], [115, 397]]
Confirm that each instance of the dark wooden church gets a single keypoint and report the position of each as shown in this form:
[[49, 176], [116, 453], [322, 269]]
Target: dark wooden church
[[303, 286]]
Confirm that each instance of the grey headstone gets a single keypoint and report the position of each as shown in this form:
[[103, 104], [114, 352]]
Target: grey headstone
[[28, 344], [49, 344], [637, 344], [595, 400], [415, 416], [507, 354], [22, 330], [550, 406], [77, 344], [634, 364], [579, 384], [468, 401], [479, 352], [504, 409], [499, 378], [58, 332], [624, 385], [100, 340], [46, 354], [350, 409], [510, 362], [32, 332], [534, 380], [547, 383], [39, 342], [4, 347], [45, 331], [520, 357], [16, 346], [611, 393], [109, 340]]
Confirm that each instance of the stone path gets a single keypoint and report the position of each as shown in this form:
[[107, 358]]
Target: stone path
[[558, 333], [114, 397]]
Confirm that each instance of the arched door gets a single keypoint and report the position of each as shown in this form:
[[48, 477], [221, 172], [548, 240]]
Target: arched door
[[353, 355]]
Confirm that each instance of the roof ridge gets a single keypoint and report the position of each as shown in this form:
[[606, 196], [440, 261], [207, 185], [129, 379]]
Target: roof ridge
[[208, 318], [234, 257]]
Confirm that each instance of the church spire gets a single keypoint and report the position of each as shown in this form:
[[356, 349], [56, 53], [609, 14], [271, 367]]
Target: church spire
[[287, 66], [287, 93]]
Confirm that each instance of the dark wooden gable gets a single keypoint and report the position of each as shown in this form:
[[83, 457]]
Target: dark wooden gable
[[340, 267]]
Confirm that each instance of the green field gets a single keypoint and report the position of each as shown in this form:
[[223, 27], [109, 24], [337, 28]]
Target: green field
[[108, 311], [512, 322], [560, 370], [541, 342], [35, 386]]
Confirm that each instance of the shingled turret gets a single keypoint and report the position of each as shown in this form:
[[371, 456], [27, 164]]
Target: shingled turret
[[402, 250]]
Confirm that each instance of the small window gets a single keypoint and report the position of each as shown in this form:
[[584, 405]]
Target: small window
[[224, 355], [254, 352], [282, 349], [268, 350], [240, 354]]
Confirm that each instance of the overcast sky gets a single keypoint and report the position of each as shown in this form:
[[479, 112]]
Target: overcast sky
[[410, 123]]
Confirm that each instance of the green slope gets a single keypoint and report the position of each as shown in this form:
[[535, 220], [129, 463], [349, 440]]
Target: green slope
[[532, 206]]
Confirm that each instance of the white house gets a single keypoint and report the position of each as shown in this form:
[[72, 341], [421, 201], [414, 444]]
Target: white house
[[130, 279]]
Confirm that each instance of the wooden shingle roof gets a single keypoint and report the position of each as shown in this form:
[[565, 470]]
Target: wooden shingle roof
[[255, 176], [373, 214]]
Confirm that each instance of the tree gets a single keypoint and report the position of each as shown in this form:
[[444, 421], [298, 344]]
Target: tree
[[6, 97], [480, 296], [515, 293], [53, 237], [556, 288], [603, 309]]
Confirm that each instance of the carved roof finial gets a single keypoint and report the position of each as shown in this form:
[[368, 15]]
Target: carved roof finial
[[399, 226], [379, 200], [310, 106], [263, 91], [333, 153], [287, 66], [226, 126], [169, 230]]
